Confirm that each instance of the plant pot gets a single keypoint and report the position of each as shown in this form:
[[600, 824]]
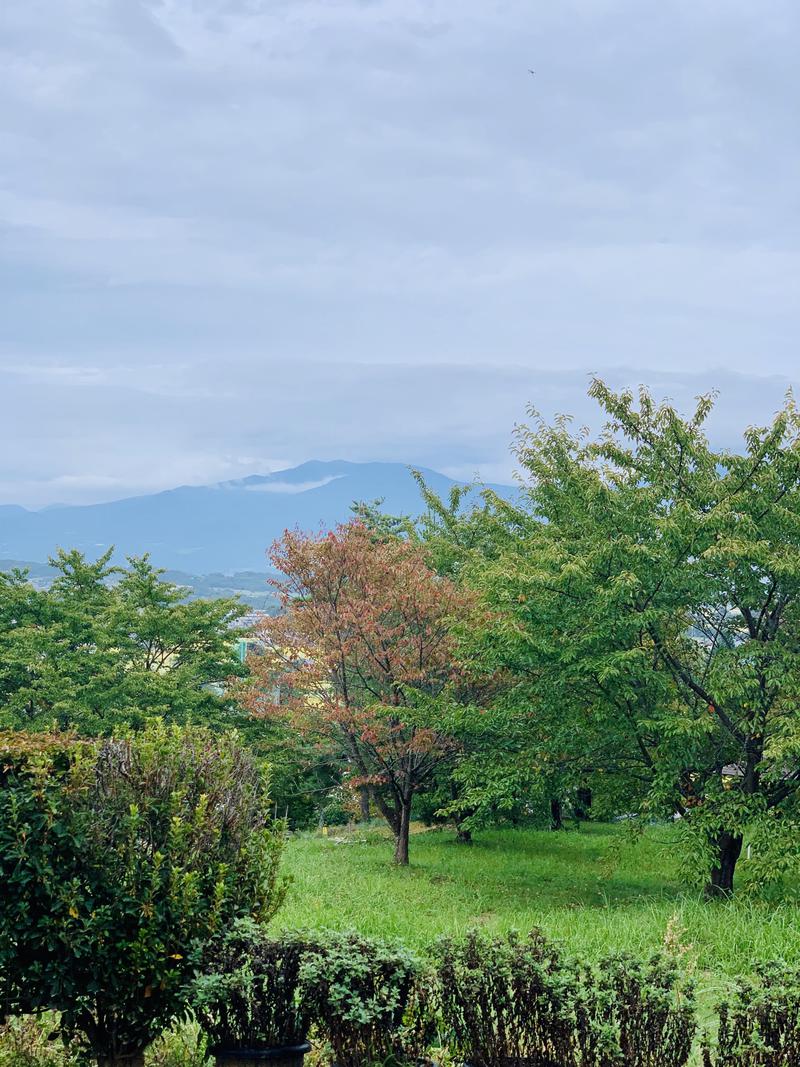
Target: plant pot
[[516, 1061], [285, 1056], [418, 1063]]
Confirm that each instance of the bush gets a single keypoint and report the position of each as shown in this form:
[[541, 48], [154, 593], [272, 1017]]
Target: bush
[[43, 778], [760, 1026], [365, 999], [516, 1001], [510, 1001], [653, 1014], [120, 859], [248, 994]]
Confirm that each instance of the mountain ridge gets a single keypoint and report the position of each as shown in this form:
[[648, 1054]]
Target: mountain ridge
[[223, 527]]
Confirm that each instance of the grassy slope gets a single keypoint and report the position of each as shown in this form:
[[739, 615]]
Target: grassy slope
[[567, 883]]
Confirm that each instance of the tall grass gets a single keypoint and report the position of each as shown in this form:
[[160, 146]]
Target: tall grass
[[597, 890]]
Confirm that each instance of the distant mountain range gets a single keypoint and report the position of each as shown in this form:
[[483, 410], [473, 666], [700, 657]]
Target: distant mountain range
[[223, 528], [251, 587]]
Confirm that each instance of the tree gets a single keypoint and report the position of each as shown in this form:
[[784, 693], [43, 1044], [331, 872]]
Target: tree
[[651, 600], [365, 657], [502, 773], [119, 860], [470, 524], [107, 646]]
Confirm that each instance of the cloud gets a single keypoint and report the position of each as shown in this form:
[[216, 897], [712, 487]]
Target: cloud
[[291, 487], [256, 419], [294, 228]]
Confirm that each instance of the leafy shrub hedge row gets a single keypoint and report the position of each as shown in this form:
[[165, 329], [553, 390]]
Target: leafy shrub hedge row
[[760, 1025], [519, 1001], [488, 1002], [484, 1001]]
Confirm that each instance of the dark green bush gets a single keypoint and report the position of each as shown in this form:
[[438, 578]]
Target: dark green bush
[[760, 1025], [653, 1012], [516, 1001], [119, 860], [512, 1001], [365, 999], [248, 994], [43, 779]]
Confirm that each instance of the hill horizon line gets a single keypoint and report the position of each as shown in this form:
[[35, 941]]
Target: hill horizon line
[[226, 526], [293, 484]]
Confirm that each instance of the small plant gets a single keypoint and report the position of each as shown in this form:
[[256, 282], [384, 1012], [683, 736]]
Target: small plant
[[652, 1013], [33, 1041], [248, 996], [182, 1046], [510, 1001], [366, 1000], [517, 1002], [760, 1025]]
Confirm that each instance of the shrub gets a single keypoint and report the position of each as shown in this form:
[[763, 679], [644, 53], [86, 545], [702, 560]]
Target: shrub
[[510, 1001], [760, 1025], [120, 859], [364, 999], [248, 994], [516, 1001], [652, 1012], [43, 778]]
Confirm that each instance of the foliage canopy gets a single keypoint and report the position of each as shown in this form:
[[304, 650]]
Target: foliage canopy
[[105, 647]]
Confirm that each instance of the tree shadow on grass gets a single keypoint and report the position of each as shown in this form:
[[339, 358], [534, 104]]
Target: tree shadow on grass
[[604, 867]]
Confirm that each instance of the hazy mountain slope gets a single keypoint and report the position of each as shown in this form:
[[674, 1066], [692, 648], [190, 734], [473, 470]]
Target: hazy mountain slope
[[225, 527], [252, 587]]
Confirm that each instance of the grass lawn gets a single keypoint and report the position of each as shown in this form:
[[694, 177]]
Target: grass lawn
[[593, 889]]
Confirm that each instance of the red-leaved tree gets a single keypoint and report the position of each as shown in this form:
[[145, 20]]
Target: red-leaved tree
[[364, 658]]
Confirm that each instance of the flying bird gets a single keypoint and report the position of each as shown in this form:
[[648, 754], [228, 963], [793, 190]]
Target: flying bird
[[531, 71]]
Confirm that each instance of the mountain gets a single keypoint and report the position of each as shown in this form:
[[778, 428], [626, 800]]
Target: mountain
[[216, 528]]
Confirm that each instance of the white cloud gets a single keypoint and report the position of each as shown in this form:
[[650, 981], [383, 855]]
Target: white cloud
[[291, 487]]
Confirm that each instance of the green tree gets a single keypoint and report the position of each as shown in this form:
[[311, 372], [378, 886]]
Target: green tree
[[471, 523], [106, 646], [650, 600], [503, 772]]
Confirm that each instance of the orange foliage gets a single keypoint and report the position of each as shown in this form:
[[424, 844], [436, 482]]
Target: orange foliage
[[367, 629]]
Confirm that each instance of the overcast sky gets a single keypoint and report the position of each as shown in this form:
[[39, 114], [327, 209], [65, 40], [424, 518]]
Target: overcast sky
[[239, 234]]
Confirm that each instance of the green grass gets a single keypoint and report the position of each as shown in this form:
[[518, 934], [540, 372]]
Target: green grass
[[594, 889]]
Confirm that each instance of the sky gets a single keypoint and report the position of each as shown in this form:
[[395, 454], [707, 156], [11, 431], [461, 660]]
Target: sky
[[239, 234]]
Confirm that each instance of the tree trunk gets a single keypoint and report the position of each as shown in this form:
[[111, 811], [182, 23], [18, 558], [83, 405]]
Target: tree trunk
[[401, 836], [556, 819], [363, 802], [288, 1057], [583, 802], [729, 847]]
